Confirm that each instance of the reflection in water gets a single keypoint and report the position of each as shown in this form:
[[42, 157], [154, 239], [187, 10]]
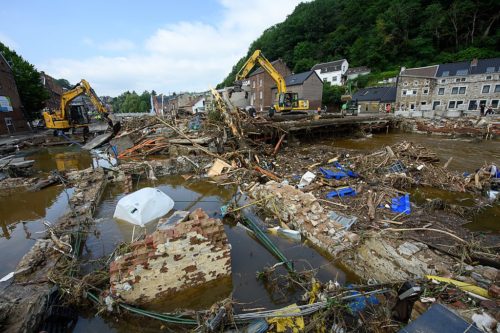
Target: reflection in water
[[248, 256], [60, 158], [21, 218]]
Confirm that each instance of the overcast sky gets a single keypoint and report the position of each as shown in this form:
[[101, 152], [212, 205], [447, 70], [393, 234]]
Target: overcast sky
[[167, 46]]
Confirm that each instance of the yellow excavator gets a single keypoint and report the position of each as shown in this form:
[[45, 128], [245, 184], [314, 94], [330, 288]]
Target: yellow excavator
[[286, 101], [75, 116]]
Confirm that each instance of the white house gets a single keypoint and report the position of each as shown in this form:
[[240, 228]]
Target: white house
[[199, 106], [332, 71]]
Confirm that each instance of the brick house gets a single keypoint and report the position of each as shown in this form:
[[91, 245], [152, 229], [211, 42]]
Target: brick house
[[54, 89], [11, 111], [261, 83], [308, 85], [333, 71], [452, 89]]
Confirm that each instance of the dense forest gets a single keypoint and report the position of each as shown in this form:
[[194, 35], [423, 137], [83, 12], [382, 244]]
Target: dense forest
[[381, 34]]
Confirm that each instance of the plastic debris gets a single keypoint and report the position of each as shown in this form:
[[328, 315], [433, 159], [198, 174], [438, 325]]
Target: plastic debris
[[360, 303], [329, 174], [306, 179], [485, 322], [397, 167], [143, 206], [345, 221], [401, 204], [217, 168], [341, 192], [350, 173], [293, 234], [7, 277], [288, 324]]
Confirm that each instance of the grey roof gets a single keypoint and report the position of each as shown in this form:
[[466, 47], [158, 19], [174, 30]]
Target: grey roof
[[261, 70], [452, 68], [485, 66], [379, 94], [428, 71], [331, 66], [356, 70], [297, 79]]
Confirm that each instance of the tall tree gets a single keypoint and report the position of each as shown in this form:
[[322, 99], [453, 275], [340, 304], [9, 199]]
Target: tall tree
[[29, 85]]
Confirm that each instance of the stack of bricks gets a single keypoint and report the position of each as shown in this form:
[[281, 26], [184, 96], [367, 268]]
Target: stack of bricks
[[302, 212], [172, 259]]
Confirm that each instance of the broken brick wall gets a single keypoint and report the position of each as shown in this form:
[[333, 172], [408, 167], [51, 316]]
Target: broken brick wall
[[172, 259]]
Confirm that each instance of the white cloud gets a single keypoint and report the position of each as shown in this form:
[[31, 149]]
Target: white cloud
[[185, 56], [7, 41]]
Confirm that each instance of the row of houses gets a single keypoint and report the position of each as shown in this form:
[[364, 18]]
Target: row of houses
[[451, 89]]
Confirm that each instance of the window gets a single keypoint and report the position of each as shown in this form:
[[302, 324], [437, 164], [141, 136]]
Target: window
[[488, 77], [486, 89], [405, 84], [415, 83], [462, 79], [462, 72], [454, 90], [325, 79], [494, 103], [472, 105], [426, 81], [451, 105], [441, 91], [459, 103], [426, 91], [334, 79], [260, 83], [457, 80], [497, 88], [435, 104], [414, 92], [423, 103], [443, 81], [260, 94], [446, 73], [461, 90], [412, 106], [490, 70], [404, 92]]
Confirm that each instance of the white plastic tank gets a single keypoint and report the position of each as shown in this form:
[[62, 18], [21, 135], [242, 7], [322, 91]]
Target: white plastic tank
[[143, 206]]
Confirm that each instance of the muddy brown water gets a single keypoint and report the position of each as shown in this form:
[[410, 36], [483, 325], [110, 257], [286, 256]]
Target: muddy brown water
[[22, 214], [468, 155], [247, 254]]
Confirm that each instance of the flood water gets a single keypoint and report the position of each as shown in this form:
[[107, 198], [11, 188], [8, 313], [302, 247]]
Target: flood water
[[468, 155], [22, 214], [247, 254]]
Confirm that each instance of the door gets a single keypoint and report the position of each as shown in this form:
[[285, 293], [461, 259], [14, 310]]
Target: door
[[10, 125]]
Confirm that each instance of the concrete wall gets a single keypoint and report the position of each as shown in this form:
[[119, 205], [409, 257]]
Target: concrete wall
[[8, 88], [172, 259]]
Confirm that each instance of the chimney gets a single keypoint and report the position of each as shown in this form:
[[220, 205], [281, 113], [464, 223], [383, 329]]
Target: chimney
[[473, 62]]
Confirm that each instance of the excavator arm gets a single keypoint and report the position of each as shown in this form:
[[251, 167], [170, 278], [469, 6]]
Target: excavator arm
[[83, 87], [257, 56]]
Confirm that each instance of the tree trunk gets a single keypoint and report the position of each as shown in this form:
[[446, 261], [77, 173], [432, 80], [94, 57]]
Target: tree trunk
[[488, 28]]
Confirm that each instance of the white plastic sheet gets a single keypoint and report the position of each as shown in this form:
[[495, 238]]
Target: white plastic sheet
[[143, 206]]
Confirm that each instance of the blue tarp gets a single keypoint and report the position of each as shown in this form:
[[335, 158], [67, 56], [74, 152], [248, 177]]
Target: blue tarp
[[359, 303], [342, 192], [329, 174], [401, 204]]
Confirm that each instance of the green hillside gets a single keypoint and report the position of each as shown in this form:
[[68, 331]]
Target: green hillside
[[381, 34]]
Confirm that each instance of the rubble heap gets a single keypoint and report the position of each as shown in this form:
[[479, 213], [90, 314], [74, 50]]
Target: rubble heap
[[172, 259]]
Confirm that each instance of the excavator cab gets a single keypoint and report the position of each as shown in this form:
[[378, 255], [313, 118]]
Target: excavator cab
[[78, 114]]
